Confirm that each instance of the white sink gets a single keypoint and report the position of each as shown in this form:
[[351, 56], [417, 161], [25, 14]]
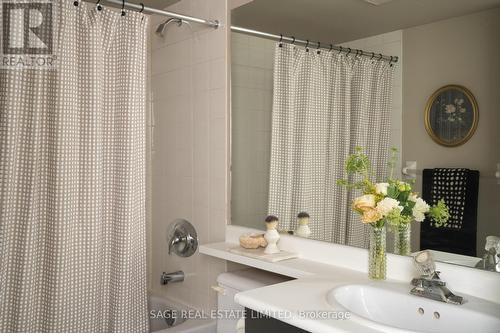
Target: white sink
[[390, 308]]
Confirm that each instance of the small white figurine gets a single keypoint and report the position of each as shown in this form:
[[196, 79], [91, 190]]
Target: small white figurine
[[303, 227], [272, 236]]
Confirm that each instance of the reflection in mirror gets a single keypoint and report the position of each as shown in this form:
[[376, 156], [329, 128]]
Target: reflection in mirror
[[298, 112]]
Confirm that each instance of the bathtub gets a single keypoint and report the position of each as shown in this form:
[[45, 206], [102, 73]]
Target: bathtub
[[165, 316]]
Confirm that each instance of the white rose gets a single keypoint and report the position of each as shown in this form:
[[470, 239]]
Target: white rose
[[381, 188], [420, 209], [386, 205]]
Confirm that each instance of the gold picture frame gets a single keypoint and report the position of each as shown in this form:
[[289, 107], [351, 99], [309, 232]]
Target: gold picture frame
[[451, 115]]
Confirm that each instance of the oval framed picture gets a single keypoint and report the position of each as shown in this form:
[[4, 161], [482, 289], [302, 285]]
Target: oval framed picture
[[451, 115]]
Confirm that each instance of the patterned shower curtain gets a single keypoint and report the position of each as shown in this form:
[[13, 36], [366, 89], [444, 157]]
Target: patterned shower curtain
[[72, 179], [324, 106]]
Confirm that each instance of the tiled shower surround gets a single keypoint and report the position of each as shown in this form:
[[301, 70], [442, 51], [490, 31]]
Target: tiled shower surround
[[189, 146]]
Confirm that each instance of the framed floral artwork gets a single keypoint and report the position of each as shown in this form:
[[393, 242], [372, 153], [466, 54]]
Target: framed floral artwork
[[451, 115]]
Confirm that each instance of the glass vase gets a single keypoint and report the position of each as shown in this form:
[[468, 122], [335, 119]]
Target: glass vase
[[402, 239], [377, 256]]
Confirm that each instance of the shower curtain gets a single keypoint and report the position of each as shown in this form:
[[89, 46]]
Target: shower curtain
[[324, 106], [72, 179]]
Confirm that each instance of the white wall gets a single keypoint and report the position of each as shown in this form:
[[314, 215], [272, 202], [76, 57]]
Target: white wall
[[189, 149], [252, 62]]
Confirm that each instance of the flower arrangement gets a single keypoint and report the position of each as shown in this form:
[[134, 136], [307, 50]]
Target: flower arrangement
[[393, 201], [455, 110], [390, 202]]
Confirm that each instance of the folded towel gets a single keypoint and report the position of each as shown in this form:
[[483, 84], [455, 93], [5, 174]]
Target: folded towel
[[459, 189]]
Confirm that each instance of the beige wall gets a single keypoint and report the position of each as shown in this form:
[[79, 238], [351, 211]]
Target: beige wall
[[464, 51], [189, 148], [252, 62]]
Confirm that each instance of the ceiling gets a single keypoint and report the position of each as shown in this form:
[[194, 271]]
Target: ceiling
[[345, 20]]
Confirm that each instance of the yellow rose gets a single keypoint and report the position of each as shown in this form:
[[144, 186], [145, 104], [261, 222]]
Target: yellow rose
[[364, 203], [371, 215]]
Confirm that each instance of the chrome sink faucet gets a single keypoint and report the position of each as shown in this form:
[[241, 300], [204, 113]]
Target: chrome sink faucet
[[429, 285], [491, 259]]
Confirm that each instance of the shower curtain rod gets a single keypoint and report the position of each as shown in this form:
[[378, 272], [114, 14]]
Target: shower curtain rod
[[313, 45], [148, 10], [215, 24]]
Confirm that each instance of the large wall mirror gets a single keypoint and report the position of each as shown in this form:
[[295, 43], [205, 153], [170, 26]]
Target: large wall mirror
[[298, 111]]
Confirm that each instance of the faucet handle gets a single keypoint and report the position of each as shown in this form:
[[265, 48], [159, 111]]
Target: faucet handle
[[173, 242], [425, 263], [182, 238]]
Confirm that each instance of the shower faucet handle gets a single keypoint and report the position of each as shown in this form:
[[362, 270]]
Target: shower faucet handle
[[174, 241], [182, 238]]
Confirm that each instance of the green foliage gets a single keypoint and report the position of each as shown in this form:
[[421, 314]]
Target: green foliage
[[439, 214], [403, 196], [396, 217], [358, 163], [408, 207], [350, 186], [392, 191], [398, 190]]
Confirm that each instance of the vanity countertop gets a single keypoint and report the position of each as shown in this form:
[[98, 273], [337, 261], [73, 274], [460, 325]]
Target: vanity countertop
[[292, 301], [303, 302]]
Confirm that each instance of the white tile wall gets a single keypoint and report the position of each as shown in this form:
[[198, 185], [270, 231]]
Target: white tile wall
[[390, 44], [189, 149], [252, 61]]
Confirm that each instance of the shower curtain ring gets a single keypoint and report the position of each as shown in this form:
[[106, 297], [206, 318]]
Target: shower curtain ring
[[293, 40], [307, 45], [349, 51], [98, 5], [331, 48], [123, 7], [380, 56], [341, 49], [373, 55], [76, 3], [281, 41], [317, 49], [142, 8]]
